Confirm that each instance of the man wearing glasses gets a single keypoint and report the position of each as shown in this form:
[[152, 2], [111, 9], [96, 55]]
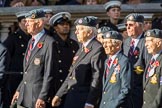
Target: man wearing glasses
[[134, 48]]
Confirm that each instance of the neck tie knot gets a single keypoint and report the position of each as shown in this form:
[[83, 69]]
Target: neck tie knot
[[132, 43], [109, 62]]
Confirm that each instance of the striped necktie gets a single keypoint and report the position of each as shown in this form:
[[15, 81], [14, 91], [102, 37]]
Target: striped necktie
[[30, 49]]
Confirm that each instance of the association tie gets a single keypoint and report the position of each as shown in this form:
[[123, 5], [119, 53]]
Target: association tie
[[150, 67], [131, 48], [30, 49], [108, 66]]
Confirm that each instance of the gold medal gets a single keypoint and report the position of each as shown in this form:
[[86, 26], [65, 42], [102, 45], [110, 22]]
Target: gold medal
[[153, 79], [113, 78]]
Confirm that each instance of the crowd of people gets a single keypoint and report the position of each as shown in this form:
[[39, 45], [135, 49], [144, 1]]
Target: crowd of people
[[105, 64]]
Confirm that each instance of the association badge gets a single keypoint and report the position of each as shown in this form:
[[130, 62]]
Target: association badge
[[37, 61]]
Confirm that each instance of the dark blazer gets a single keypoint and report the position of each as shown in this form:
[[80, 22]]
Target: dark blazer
[[138, 60], [64, 53], [116, 92], [152, 87], [4, 65], [38, 73], [83, 83], [16, 44]]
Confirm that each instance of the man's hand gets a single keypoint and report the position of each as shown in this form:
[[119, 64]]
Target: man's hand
[[15, 97], [40, 103], [56, 101]]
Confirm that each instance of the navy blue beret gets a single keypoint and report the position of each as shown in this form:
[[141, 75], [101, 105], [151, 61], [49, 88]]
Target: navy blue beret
[[156, 33], [34, 14], [112, 35], [91, 21], [104, 29], [135, 17]]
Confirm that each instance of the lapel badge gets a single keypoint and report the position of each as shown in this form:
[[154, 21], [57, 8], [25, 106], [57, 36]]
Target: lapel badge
[[153, 79], [113, 78], [37, 61]]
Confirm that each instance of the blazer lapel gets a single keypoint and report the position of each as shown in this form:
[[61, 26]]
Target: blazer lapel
[[34, 51], [83, 53]]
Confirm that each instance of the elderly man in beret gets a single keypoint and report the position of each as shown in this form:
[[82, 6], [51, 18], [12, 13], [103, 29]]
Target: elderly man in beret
[[34, 89], [152, 79], [83, 84], [117, 73], [135, 49], [113, 11]]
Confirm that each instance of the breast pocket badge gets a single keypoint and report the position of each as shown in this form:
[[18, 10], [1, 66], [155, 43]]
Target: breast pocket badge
[[37, 61]]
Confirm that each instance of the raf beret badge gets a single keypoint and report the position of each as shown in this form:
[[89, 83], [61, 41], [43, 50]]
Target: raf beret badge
[[33, 16], [108, 35], [148, 33], [131, 17], [80, 21]]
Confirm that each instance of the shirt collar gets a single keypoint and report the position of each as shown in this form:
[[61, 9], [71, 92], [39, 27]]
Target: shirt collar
[[86, 43], [38, 36]]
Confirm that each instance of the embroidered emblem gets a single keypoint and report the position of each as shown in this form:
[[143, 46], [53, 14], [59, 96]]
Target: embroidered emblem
[[37, 61]]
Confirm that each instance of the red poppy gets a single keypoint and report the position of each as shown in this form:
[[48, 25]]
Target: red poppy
[[40, 45], [156, 63], [115, 62], [86, 50], [136, 53]]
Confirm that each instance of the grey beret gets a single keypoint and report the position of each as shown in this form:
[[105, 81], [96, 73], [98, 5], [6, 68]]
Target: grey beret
[[135, 17], [156, 33], [112, 35], [91, 21]]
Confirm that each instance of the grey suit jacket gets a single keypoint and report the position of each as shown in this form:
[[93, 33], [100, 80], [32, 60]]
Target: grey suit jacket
[[83, 83], [38, 73], [116, 89]]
